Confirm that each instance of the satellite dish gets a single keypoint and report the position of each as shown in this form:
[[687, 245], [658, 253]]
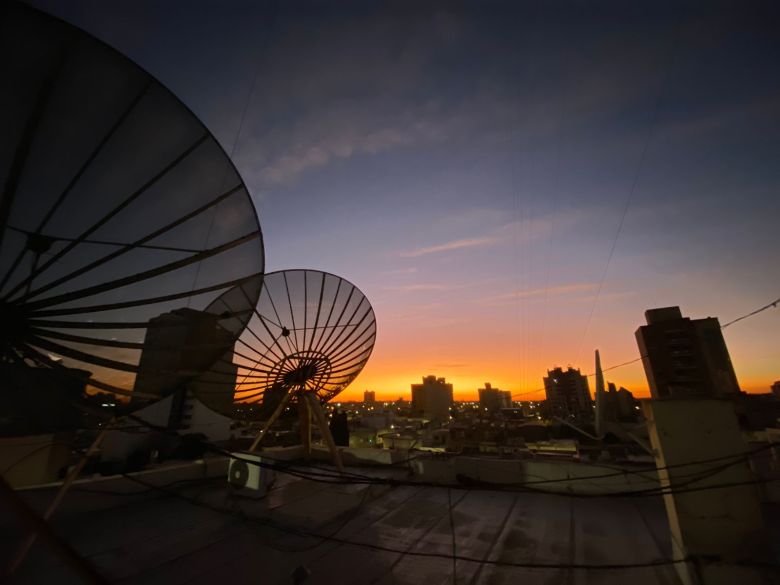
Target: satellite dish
[[121, 220], [309, 336]]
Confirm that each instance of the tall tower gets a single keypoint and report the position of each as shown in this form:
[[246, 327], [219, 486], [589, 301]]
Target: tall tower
[[683, 357], [601, 404]]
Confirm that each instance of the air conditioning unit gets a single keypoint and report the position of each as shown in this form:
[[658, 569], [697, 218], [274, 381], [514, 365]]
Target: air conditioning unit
[[245, 473]]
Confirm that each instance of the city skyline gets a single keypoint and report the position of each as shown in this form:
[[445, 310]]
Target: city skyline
[[511, 189]]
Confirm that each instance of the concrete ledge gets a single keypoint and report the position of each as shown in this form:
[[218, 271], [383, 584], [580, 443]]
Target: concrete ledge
[[559, 476], [97, 493]]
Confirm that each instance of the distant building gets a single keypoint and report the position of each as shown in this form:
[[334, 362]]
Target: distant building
[[568, 393], [619, 404], [432, 399], [685, 357], [493, 399], [776, 389], [369, 397]]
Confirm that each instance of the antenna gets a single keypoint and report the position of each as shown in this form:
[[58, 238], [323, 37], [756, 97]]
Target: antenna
[[308, 338], [121, 220]]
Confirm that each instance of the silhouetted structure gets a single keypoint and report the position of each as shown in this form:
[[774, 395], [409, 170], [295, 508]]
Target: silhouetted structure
[[776, 389], [369, 397], [568, 394], [619, 404], [339, 428], [685, 357], [39, 400], [493, 399], [432, 399], [600, 394], [180, 345]]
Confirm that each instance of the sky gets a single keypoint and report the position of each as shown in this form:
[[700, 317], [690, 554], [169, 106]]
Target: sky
[[511, 184]]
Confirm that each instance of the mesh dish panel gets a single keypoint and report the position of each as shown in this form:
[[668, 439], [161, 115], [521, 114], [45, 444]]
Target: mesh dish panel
[[122, 221], [311, 332]]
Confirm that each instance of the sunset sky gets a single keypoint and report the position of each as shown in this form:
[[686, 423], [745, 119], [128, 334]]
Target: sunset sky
[[510, 184]]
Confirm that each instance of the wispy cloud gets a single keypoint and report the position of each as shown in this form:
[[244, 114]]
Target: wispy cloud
[[338, 145], [451, 365], [449, 246], [418, 287], [514, 233], [607, 297], [551, 291], [410, 270]]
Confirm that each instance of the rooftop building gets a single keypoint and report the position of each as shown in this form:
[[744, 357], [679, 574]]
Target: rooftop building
[[492, 399], [432, 399], [568, 394], [685, 357]]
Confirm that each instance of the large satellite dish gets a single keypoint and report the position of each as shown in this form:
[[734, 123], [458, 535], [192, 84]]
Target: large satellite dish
[[310, 335], [121, 220]]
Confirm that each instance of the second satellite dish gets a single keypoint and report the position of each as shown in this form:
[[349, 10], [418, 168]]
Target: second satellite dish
[[310, 334]]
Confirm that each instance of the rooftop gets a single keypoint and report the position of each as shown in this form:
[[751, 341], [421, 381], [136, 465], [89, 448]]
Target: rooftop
[[202, 531]]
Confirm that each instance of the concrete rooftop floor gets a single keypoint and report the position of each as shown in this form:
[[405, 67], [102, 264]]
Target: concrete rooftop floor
[[154, 538]]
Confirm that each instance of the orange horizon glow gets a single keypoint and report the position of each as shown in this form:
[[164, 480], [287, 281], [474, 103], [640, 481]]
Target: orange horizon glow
[[512, 346], [465, 387]]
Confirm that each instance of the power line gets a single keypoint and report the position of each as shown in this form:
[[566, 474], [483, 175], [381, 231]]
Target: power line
[[477, 485], [331, 478], [771, 305], [324, 476], [376, 547], [635, 181]]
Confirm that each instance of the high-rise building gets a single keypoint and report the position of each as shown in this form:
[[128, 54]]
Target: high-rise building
[[432, 399], [568, 393], [492, 399], [369, 397], [685, 357]]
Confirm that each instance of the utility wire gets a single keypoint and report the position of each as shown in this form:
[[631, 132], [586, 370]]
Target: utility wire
[[352, 478], [476, 485], [265, 521], [454, 557], [772, 305], [655, 115]]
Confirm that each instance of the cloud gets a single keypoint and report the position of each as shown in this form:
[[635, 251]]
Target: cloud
[[550, 291], [607, 297], [569, 292], [418, 287], [342, 144], [410, 270], [327, 101], [449, 246], [514, 233]]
